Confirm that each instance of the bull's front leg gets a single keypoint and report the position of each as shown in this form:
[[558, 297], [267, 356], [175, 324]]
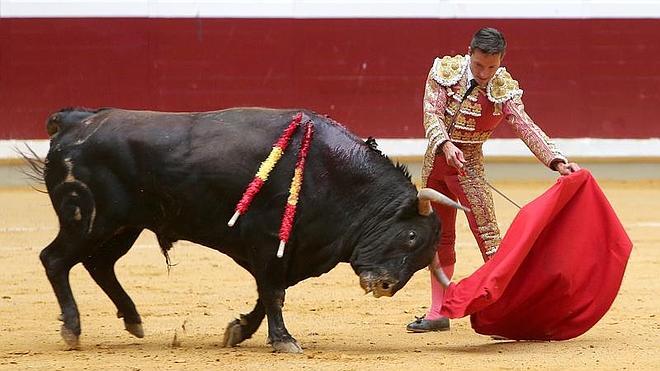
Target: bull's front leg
[[278, 336], [242, 328]]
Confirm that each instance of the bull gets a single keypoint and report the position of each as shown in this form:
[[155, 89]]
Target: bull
[[111, 173]]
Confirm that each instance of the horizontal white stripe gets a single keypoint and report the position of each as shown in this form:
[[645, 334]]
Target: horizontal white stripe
[[573, 148], [25, 229], [645, 224], [9, 149], [445, 9]]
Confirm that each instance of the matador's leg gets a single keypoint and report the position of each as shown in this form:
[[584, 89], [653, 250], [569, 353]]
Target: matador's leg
[[474, 193]]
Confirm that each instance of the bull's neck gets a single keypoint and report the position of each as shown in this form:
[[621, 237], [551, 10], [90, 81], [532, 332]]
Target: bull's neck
[[365, 231], [372, 187]]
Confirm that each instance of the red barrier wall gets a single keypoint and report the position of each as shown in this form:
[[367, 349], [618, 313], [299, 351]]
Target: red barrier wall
[[582, 77]]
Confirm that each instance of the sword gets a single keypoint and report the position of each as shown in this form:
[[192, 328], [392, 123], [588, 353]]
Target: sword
[[494, 189], [502, 194]]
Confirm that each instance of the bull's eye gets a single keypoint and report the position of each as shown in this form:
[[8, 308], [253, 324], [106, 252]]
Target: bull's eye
[[412, 237]]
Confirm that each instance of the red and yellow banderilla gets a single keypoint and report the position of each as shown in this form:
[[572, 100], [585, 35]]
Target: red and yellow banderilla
[[294, 190], [265, 168]]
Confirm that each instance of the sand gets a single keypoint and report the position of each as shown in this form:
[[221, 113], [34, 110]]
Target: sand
[[185, 312]]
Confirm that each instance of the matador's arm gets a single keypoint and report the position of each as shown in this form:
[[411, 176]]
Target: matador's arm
[[537, 141], [435, 102]]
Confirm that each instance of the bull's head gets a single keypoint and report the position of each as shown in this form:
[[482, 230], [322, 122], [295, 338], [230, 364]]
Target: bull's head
[[394, 249]]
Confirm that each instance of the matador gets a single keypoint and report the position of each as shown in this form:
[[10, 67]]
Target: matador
[[466, 97]]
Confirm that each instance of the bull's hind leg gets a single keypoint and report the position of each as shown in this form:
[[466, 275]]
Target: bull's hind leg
[[58, 258], [101, 266], [243, 328]]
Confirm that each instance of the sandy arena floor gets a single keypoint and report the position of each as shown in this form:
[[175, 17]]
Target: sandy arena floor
[[338, 327]]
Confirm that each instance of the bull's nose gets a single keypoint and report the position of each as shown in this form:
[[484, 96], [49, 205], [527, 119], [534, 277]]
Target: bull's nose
[[384, 288], [378, 284]]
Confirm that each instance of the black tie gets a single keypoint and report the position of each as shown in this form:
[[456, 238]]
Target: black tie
[[473, 84]]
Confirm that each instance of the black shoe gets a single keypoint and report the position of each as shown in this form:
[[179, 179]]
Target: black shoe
[[420, 324]]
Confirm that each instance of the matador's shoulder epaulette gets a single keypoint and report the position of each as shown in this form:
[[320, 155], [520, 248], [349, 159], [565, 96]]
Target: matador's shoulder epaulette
[[449, 70], [502, 87]]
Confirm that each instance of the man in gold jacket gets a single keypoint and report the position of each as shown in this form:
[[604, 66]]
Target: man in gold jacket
[[466, 97]]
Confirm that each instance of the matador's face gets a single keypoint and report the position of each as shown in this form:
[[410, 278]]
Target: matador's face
[[484, 65]]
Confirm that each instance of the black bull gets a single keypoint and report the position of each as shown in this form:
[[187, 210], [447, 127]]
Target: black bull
[[112, 173]]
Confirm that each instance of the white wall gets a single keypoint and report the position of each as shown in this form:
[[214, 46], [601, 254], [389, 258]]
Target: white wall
[[515, 148], [333, 9]]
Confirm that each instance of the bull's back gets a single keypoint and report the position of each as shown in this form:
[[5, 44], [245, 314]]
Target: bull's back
[[174, 139], [190, 164]]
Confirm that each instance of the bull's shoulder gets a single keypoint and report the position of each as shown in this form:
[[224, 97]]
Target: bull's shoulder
[[69, 117]]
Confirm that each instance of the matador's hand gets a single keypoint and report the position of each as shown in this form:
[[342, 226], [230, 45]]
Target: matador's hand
[[566, 169], [454, 156]]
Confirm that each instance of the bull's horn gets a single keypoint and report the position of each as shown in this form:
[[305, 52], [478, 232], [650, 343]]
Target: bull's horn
[[426, 195], [438, 273]]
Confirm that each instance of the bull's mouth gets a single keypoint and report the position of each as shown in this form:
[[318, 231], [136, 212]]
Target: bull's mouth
[[378, 284]]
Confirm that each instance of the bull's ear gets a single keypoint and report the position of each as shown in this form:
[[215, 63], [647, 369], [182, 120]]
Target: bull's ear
[[407, 209]]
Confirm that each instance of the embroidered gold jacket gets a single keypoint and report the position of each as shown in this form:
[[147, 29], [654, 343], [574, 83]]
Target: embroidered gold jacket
[[473, 121]]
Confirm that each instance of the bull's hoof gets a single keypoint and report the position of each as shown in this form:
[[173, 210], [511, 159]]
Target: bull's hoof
[[135, 329], [233, 334], [287, 347], [70, 338]]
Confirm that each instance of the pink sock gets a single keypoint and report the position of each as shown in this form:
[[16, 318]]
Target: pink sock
[[438, 293]]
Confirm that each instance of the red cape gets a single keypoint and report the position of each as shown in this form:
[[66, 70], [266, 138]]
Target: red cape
[[557, 270]]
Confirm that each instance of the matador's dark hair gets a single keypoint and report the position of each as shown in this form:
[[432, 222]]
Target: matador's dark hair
[[489, 40]]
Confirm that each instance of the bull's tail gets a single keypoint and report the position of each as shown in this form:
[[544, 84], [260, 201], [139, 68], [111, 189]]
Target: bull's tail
[[75, 207], [165, 246], [36, 166]]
